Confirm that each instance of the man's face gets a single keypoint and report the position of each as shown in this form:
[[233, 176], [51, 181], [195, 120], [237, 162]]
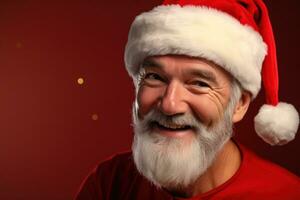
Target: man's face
[[176, 85], [179, 118]]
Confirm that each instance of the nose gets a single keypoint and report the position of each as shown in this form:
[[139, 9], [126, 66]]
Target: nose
[[173, 101]]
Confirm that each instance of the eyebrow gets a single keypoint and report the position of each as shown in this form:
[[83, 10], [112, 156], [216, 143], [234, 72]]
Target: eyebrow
[[205, 74]]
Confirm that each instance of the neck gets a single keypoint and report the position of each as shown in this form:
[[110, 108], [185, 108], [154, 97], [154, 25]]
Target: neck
[[223, 168]]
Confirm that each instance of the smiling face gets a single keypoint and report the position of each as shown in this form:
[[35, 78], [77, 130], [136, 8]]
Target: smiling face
[[178, 85], [182, 118]]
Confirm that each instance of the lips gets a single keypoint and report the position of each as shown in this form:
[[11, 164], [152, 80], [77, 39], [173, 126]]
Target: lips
[[170, 126]]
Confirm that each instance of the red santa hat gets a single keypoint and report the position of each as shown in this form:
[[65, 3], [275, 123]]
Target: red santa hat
[[235, 34]]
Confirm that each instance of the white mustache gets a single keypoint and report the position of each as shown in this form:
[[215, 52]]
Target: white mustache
[[185, 119]]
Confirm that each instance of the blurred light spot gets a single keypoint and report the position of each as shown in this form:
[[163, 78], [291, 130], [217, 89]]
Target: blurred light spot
[[80, 81], [19, 45], [95, 117]]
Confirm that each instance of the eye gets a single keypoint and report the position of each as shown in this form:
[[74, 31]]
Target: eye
[[200, 84], [153, 76]]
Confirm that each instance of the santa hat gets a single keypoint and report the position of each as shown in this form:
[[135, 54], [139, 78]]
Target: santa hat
[[235, 34]]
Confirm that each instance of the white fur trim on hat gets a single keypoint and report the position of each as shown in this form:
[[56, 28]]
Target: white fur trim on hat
[[277, 125], [198, 31]]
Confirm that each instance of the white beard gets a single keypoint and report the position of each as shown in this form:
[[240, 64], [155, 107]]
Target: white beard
[[170, 162]]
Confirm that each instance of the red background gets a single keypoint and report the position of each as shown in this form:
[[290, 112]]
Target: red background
[[49, 140]]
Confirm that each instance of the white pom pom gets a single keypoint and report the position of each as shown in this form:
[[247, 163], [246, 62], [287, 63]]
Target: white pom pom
[[277, 125]]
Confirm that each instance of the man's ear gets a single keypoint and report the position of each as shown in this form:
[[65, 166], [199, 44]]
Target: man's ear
[[241, 107]]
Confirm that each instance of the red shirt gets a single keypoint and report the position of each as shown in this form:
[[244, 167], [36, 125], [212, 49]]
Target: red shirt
[[117, 178]]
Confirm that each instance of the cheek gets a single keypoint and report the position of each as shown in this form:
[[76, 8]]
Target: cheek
[[205, 109], [148, 98]]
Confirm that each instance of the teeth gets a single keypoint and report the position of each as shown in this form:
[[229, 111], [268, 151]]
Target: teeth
[[171, 125]]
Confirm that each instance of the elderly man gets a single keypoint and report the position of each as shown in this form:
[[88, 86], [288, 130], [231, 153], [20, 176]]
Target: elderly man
[[196, 66]]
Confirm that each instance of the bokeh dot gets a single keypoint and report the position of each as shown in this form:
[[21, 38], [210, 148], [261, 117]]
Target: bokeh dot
[[80, 81], [95, 117]]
